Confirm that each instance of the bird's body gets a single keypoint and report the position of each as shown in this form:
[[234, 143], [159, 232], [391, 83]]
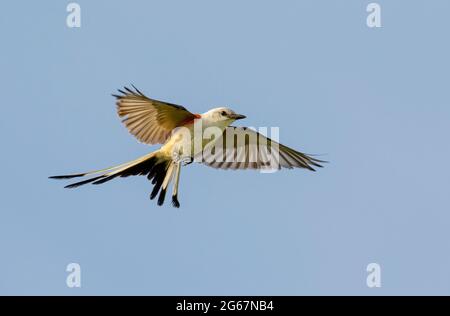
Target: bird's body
[[207, 138]]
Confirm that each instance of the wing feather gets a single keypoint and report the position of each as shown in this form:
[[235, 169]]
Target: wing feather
[[244, 148], [149, 120]]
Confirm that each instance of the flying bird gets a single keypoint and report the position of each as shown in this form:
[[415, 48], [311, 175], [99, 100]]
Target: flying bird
[[182, 134]]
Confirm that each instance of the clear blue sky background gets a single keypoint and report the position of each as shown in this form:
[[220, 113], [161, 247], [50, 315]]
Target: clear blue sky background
[[374, 101]]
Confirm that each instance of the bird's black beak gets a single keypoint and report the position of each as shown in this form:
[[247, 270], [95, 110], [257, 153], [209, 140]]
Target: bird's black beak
[[236, 116]]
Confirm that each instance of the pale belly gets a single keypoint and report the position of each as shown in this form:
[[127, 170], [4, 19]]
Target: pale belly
[[187, 143]]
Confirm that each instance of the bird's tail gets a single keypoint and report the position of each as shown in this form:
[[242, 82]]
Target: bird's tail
[[157, 167]]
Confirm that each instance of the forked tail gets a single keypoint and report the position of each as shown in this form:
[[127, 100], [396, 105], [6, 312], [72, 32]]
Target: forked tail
[[158, 168]]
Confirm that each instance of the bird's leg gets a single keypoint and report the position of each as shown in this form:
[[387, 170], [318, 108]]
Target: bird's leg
[[178, 157], [175, 202]]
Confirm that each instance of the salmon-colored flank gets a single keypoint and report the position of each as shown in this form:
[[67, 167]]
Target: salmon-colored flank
[[196, 116]]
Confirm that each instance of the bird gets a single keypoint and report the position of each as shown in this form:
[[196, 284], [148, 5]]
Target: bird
[[184, 140]]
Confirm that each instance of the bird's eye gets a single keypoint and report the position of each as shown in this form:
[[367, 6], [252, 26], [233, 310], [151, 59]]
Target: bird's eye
[[223, 113]]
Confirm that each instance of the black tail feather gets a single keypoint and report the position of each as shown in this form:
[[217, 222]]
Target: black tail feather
[[161, 197], [175, 202], [105, 179], [68, 176], [158, 179], [77, 184], [153, 168]]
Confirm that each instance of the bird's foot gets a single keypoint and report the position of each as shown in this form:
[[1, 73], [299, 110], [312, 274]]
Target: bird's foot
[[187, 161]]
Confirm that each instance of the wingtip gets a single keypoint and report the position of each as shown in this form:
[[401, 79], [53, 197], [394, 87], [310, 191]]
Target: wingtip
[[136, 89]]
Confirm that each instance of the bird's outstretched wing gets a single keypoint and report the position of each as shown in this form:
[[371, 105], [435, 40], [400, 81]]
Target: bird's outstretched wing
[[150, 121], [244, 148]]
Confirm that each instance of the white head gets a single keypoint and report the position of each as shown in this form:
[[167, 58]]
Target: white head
[[222, 115]]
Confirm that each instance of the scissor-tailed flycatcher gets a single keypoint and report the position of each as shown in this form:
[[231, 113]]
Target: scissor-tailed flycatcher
[[187, 137]]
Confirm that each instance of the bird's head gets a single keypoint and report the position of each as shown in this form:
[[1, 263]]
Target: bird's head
[[222, 114]]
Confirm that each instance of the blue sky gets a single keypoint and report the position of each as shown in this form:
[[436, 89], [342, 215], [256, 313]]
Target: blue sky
[[375, 102]]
